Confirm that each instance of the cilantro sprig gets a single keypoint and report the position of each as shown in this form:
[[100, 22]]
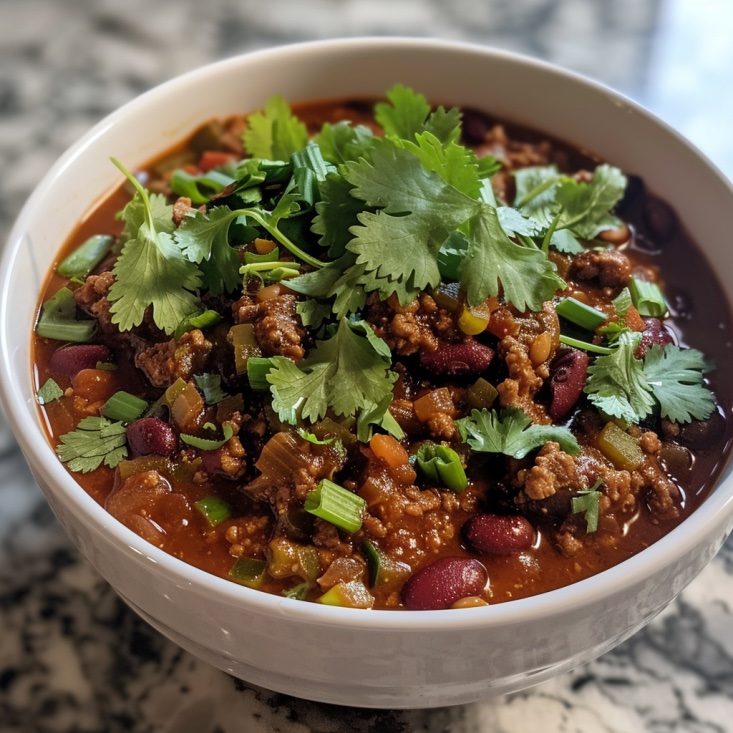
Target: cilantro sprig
[[345, 374], [669, 378], [151, 271], [512, 433], [95, 441]]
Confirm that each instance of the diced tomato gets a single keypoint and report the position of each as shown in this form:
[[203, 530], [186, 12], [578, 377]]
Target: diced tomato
[[214, 158]]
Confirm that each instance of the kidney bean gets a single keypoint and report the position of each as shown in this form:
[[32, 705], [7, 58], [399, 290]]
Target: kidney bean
[[654, 333], [475, 126], [660, 219], [498, 534], [567, 377], [443, 583], [700, 434], [458, 359], [151, 435], [68, 361]]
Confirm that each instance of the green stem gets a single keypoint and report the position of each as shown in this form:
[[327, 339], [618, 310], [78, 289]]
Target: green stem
[[290, 246], [536, 191]]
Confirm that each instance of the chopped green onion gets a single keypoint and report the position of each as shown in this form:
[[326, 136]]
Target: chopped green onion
[[204, 320], [481, 394], [86, 256], [353, 594], [374, 560], [58, 320], [580, 314], [199, 188], [258, 367], [49, 392], [106, 366], [585, 346], [271, 271], [124, 406], [252, 258], [648, 298], [248, 571], [336, 505], [244, 341], [205, 443], [214, 509], [441, 464]]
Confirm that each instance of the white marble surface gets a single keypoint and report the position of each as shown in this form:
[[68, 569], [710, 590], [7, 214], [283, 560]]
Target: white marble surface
[[72, 656]]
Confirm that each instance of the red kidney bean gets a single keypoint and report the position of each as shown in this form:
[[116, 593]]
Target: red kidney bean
[[701, 434], [151, 435], [498, 534], [660, 219], [654, 333], [475, 126], [567, 377], [458, 359], [68, 361], [443, 583]]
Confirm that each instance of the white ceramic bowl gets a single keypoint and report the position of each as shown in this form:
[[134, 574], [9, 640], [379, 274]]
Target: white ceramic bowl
[[352, 657]]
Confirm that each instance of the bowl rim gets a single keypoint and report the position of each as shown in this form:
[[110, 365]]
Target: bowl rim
[[671, 548]]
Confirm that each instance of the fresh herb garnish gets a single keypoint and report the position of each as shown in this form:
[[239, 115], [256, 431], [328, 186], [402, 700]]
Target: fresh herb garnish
[[96, 440], [620, 385], [151, 270], [49, 392], [511, 432], [275, 133], [345, 374], [207, 443], [210, 385], [587, 502]]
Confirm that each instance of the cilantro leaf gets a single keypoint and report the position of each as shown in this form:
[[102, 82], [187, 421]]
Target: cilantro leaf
[[151, 270], [588, 503], [49, 392], [377, 416], [344, 374], [511, 432], [455, 164], [675, 377], [586, 206], [526, 274], [337, 212], [204, 239], [404, 114], [419, 210], [407, 113], [210, 385], [312, 313], [342, 142], [96, 440], [582, 208], [275, 133], [617, 384]]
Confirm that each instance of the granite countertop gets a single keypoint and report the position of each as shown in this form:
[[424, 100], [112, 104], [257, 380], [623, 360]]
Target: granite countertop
[[73, 657]]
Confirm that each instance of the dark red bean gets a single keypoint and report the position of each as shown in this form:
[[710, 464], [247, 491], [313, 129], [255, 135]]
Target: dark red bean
[[68, 361], [654, 333], [701, 434], [475, 126], [453, 360], [498, 534], [660, 219], [151, 435], [443, 583], [567, 377]]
